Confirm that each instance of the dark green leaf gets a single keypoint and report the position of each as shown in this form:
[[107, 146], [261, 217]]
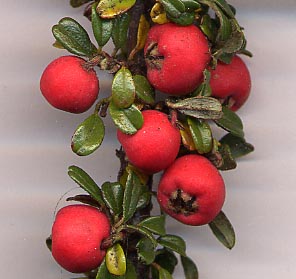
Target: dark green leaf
[[120, 30], [102, 28], [113, 8], [198, 107], [228, 163], [173, 7], [208, 27], [128, 120], [201, 134], [223, 230], [131, 195], [144, 232], [190, 269], [238, 146], [231, 122], [86, 183], [166, 259], [78, 3], [88, 136], [184, 19], [174, 243], [73, 37], [155, 224], [144, 90], [191, 5], [113, 196], [145, 249], [48, 243], [86, 199], [164, 274], [225, 7], [144, 199], [123, 88], [204, 90]]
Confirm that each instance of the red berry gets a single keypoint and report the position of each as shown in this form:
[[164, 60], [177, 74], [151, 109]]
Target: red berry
[[77, 234], [231, 81], [155, 146], [176, 57], [191, 190], [68, 85]]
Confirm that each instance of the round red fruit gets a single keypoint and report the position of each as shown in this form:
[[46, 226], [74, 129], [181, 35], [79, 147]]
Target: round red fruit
[[231, 82], [69, 85], [191, 190], [77, 234], [155, 146], [176, 57]]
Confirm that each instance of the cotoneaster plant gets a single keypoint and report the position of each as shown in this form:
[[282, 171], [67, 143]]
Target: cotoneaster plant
[[187, 50]]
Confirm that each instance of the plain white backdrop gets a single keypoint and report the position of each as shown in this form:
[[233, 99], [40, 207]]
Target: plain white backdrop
[[35, 149]]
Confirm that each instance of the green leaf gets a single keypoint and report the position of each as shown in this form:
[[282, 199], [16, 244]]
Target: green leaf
[[120, 31], [113, 196], [204, 90], [186, 18], [144, 232], [102, 28], [145, 250], [78, 3], [198, 107], [144, 199], [144, 90], [173, 7], [201, 134], [225, 7], [167, 260], [231, 122], [228, 163], [155, 224], [174, 243], [113, 8], [88, 136], [115, 260], [208, 27], [86, 182], [164, 274], [123, 88], [191, 5], [128, 120], [189, 267], [73, 37], [86, 199], [238, 146], [223, 230], [131, 196]]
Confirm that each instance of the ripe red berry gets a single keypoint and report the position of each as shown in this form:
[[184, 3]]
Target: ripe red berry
[[231, 81], [191, 190], [68, 85], [155, 146], [176, 57], [77, 234]]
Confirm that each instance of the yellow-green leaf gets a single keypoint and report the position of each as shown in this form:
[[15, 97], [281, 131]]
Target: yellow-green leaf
[[115, 260], [112, 8]]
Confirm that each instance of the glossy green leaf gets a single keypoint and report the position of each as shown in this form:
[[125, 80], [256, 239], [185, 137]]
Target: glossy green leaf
[[145, 197], [186, 18], [174, 243], [115, 260], [164, 274], [198, 107], [155, 224], [78, 3], [86, 199], [189, 267], [131, 196], [231, 122], [144, 232], [228, 162], [123, 88], [166, 259], [201, 134], [144, 90], [102, 28], [223, 230], [225, 7], [209, 28], [73, 37], [191, 5], [120, 31], [113, 8], [173, 7], [86, 182], [238, 146], [204, 90], [88, 136], [128, 120], [145, 250], [113, 196]]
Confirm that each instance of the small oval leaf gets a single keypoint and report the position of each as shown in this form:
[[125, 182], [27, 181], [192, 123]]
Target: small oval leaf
[[123, 88], [144, 90], [223, 230], [103, 272], [189, 267], [164, 274], [113, 196], [145, 249], [120, 31], [174, 243], [112, 8], [115, 260], [128, 120], [73, 37], [228, 162], [144, 232], [88, 136], [155, 224]]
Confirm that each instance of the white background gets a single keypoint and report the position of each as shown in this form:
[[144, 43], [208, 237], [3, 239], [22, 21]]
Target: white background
[[35, 149]]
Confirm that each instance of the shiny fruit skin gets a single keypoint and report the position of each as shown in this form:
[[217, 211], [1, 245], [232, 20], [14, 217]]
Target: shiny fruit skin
[[68, 85], [155, 146], [201, 186], [231, 81], [77, 234], [184, 54]]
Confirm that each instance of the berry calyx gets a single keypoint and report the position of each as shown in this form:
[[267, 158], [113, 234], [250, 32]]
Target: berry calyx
[[69, 85]]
